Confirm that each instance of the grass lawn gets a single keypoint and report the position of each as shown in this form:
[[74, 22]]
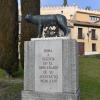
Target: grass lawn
[[89, 81], [90, 78], [10, 89]]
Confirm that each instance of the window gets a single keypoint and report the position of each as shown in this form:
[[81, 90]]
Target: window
[[80, 33], [94, 18], [81, 48], [93, 47], [93, 35]]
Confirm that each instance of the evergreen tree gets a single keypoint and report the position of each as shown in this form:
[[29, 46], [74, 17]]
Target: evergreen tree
[[28, 30], [65, 3], [8, 35], [88, 8]]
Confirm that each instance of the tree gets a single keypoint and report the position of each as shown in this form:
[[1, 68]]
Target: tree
[[28, 30], [65, 3], [88, 8], [8, 36]]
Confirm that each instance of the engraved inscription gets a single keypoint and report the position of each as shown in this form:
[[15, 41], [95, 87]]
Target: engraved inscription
[[48, 68]]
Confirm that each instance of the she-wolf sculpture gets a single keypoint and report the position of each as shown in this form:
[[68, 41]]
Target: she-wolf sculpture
[[48, 20]]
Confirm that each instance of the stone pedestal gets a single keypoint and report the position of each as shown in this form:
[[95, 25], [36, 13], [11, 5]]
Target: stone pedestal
[[51, 69]]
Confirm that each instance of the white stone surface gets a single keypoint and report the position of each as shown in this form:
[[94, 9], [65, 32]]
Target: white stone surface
[[57, 59], [48, 66], [31, 95], [29, 63]]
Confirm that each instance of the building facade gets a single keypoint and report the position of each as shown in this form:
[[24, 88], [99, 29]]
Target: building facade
[[85, 27]]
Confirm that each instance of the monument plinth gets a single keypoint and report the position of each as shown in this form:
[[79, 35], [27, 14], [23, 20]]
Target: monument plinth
[[51, 69]]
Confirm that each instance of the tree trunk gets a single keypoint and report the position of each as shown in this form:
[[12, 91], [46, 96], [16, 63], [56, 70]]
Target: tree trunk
[[8, 35]]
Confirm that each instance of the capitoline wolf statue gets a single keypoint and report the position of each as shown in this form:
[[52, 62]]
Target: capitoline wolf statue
[[43, 21]]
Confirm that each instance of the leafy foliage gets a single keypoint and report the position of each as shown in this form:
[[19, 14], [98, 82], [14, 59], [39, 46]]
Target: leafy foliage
[[3, 74], [28, 30], [65, 3], [88, 8], [8, 35]]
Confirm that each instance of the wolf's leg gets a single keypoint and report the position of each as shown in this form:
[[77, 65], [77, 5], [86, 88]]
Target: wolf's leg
[[64, 28], [40, 29], [62, 22]]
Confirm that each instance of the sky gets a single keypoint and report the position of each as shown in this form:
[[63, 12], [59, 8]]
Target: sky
[[94, 4]]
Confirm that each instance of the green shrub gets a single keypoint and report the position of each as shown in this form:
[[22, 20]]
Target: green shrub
[[3, 74], [20, 72]]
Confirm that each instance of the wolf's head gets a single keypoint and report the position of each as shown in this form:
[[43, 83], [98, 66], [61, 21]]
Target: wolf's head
[[28, 18]]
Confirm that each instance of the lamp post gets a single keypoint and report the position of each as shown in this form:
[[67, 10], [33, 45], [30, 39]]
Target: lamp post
[[19, 28], [88, 34]]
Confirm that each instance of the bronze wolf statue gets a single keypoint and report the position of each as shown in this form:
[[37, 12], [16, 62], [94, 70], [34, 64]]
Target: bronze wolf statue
[[48, 20]]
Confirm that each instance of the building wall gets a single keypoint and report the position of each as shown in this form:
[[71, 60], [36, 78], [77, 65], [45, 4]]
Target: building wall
[[86, 16], [82, 15], [67, 11], [87, 40]]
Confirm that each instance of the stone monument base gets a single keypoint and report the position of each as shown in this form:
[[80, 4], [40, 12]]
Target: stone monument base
[[32, 95], [51, 69]]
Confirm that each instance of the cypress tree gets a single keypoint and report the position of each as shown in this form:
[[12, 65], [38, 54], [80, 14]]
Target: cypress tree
[[8, 36], [65, 3], [28, 30]]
